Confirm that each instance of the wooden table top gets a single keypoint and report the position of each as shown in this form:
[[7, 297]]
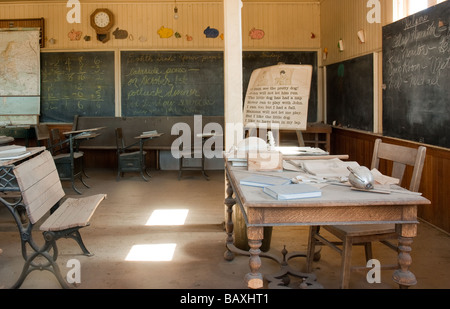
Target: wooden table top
[[338, 205]]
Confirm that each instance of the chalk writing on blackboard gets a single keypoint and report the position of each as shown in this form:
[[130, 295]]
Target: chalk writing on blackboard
[[279, 95], [172, 83], [76, 84], [416, 75]]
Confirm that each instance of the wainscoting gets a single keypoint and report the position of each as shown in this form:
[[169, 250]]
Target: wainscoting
[[435, 184]]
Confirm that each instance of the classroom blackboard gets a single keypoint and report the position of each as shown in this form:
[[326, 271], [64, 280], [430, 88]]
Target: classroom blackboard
[[172, 83], [252, 60], [76, 83], [350, 93], [416, 77]]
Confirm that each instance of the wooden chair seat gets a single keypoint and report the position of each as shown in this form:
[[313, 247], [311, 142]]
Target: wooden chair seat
[[66, 156], [133, 154], [72, 213], [360, 229]]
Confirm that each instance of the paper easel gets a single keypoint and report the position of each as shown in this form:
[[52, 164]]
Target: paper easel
[[277, 99]]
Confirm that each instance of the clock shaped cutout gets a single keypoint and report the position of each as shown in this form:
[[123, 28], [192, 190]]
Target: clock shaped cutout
[[102, 21]]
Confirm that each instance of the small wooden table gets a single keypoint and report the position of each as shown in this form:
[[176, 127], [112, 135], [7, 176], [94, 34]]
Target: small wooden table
[[338, 205]]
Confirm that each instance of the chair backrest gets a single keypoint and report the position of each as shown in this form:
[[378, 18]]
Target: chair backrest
[[42, 134], [56, 142], [120, 143], [401, 156], [39, 185]]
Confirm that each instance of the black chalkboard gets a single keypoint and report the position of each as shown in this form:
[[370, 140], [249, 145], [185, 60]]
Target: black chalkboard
[[76, 83], [350, 93], [172, 83], [416, 77], [252, 60]]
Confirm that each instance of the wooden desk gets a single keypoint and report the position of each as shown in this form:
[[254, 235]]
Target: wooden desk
[[338, 205], [142, 139]]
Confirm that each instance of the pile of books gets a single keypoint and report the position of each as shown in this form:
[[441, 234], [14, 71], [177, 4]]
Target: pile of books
[[281, 188], [11, 152]]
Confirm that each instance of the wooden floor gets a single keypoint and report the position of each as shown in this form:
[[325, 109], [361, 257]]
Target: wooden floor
[[198, 245]]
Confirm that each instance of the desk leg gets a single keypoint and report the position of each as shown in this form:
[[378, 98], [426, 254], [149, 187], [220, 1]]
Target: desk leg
[[229, 202], [403, 276], [254, 279]]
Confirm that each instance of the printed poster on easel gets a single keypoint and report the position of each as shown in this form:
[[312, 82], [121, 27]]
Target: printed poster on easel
[[278, 95]]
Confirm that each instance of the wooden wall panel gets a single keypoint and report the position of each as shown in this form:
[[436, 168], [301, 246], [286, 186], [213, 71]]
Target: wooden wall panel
[[434, 183]]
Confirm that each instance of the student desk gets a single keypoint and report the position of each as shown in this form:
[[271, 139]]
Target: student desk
[[338, 205]]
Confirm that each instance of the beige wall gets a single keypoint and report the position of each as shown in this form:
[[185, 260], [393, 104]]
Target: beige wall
[[287, 24], [342, 19]]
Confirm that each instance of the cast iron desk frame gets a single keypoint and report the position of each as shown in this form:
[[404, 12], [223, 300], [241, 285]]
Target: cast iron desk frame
[[74, 138], [142, 139], [338, 205]]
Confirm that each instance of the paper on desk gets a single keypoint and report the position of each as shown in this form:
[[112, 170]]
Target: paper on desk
[[328, 168], [383, 179]]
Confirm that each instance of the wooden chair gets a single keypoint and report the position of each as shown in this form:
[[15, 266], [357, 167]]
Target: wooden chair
[[129, 161], [362, 234], [69, 164]]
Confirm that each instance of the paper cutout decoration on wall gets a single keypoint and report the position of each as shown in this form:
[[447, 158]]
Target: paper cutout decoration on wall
[[74, 35], [165, 33], [188, 37], [120, 34], [211, 32], [256, 34], [177, 35]]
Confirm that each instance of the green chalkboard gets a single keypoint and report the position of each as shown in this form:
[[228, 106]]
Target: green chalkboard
[[252, 60], [416, 76], [350, 93], [172, 83], [76, 83]]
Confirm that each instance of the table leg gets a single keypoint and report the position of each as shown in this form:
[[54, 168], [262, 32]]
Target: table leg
[[403, 276], [254, 279], [229, 202]]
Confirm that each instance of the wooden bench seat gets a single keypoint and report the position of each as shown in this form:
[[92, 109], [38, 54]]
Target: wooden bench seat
[[41, 193]]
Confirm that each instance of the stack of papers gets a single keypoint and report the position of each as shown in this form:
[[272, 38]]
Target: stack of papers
[[293, 191]]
